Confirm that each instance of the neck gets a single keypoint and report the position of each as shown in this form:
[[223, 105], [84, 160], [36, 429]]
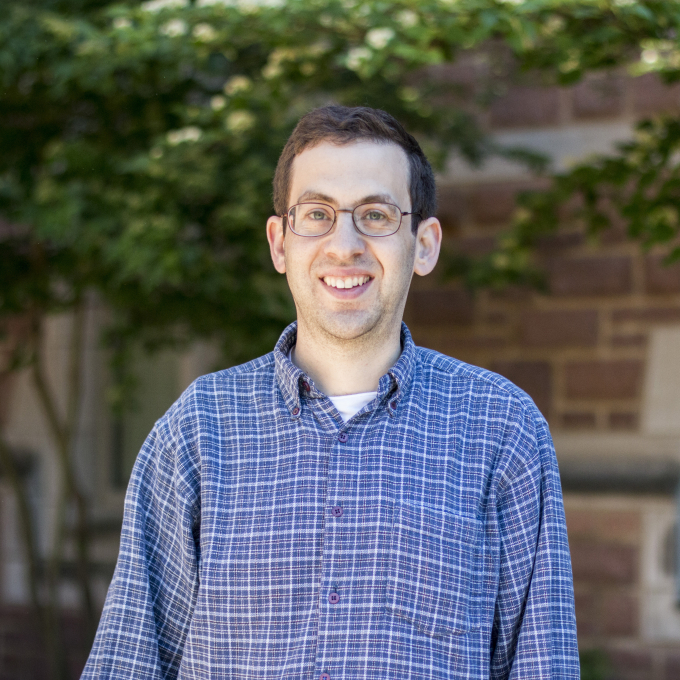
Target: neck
[[338, 366]]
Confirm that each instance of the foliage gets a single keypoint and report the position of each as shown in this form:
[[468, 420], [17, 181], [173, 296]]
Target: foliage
[[638, 188], [139, 141]]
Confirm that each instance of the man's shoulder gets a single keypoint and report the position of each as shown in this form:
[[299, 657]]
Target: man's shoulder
[[477, 382], [212, 392], [495, 405], [256, 369]]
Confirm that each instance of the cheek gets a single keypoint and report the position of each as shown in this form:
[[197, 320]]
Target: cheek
[[402, 259], [298, 260], [397, 266]]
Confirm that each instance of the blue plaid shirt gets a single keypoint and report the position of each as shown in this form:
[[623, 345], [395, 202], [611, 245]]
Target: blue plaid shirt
[[265, 538]]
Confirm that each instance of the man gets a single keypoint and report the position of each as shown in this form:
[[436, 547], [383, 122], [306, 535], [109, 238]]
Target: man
[[350, 506]]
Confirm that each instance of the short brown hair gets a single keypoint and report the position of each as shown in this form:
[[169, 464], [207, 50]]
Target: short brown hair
[[344, 124]]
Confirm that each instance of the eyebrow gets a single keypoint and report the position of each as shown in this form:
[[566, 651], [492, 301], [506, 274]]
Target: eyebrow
[[372, 198]]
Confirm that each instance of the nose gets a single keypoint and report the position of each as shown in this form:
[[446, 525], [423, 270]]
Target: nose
[[344, 241]]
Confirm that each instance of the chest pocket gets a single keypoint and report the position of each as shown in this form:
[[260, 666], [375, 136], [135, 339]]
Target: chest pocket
[[434, 578]]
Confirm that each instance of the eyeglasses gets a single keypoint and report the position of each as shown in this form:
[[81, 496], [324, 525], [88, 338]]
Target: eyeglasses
[[370, 219]]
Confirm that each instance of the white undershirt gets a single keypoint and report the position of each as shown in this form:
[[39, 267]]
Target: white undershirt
[[348, 405]]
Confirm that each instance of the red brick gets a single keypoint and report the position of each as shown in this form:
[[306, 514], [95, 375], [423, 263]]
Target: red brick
[[534, 377], [604, 563], [623, 421], [586, 612], [603, 379], [638, 340], [619, 614], [660, 278], [590, 276], [494, 203], [578, 421], [514, 294], [478, 342], [598, 97], [627, 662], [525, 106], [560, 241], [466, 74], [651, 96], [559, 328], [474, 246], [496, 318], [439, 307], [451, 208], [603, 525], [648, 315]]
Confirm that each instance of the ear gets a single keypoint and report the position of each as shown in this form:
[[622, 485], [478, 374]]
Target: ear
[[276, 243], [428, 244]]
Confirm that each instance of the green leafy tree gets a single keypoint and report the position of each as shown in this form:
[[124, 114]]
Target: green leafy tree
[[139, 141]]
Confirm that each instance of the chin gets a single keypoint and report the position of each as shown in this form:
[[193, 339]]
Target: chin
[[349, 326]]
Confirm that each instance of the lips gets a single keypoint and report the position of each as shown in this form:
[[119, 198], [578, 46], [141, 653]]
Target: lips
[[346, 287]]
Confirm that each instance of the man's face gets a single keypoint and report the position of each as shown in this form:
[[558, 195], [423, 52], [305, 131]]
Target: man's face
[[345, 177]]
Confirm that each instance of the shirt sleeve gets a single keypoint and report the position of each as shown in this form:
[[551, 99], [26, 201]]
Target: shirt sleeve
[[534, 633], [152, 596]]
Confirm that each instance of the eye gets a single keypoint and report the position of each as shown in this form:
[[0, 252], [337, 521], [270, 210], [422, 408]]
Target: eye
[[317, 215], [374, 215]]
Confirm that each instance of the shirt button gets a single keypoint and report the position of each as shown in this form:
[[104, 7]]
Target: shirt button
[[394, 405], [324, 676], [342, 437], [305, 386], [337, 511], [334, 598], [296, 410]]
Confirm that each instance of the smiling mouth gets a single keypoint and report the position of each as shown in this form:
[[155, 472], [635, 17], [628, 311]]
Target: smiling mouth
[[345, 282]]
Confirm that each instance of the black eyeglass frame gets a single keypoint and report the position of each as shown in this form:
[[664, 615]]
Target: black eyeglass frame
[[286, 217]]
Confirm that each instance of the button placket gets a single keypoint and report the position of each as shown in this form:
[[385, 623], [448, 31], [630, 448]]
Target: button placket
[[332, 613]]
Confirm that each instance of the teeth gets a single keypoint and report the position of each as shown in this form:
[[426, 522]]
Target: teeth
[[349, 282]]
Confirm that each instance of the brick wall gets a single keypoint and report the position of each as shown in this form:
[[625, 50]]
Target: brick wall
[[606, 537], [578, 350], [605, 546]]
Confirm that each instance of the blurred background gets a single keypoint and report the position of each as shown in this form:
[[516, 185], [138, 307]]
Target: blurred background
[[137, 147]]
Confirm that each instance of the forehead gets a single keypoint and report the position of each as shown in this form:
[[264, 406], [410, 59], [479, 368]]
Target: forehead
[[349, 171]]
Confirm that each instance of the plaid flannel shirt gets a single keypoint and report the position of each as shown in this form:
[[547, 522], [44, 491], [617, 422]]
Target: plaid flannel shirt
[[265, 538]]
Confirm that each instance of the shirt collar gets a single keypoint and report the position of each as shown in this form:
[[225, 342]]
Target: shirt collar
[[292, 380]]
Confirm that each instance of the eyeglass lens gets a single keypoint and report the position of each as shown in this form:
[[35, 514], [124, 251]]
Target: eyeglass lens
[[372, 219]]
